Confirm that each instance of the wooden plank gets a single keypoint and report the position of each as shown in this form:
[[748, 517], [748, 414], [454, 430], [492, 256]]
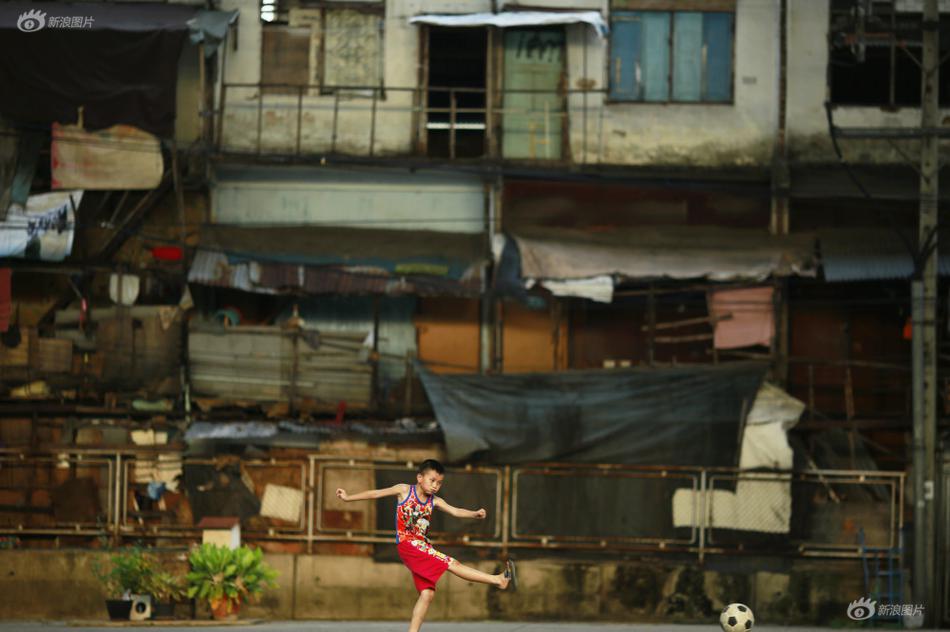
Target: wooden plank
[[680, 339], [285, 52], [52, 355], [673, 5], [686, 322]]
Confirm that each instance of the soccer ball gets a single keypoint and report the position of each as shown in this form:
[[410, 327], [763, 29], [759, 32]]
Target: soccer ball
[[736, 617]]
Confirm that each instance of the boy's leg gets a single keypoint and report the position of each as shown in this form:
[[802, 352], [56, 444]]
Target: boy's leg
[[420, 609], [473, 575]]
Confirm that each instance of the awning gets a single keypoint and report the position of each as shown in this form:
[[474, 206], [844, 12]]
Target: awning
[[514, 19], [117, 61], [320, 260], [870, 254], [214, 269], [448, 255], [675, 252]]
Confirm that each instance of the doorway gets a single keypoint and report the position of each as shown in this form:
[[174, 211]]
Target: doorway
[[456, 81], [535, 108]]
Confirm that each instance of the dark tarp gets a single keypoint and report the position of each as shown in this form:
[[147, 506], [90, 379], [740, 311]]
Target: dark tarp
[[675, 416], [118, 61], [402, 252]]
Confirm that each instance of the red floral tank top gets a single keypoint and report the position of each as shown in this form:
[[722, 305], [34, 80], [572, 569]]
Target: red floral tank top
[[413, 517]]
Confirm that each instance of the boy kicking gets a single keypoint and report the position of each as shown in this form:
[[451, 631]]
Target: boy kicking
[[413, 515]]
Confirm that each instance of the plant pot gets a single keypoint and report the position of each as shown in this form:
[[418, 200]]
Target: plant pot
[[119, 609], [163, 610], [226, 609]]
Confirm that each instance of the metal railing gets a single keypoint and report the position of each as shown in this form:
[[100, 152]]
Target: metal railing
[[308, 120], [701, 511]]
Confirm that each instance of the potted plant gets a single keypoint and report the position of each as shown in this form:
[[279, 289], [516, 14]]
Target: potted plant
[[166, 589], [127, 574], [226, 578]]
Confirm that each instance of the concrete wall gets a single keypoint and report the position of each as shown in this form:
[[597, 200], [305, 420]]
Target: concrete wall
[[739, 133], [60, 585], [188, 96], [808, 136], [377, 199]]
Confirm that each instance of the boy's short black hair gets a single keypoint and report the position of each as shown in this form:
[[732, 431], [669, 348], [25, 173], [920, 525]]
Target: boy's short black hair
[[430, 464]]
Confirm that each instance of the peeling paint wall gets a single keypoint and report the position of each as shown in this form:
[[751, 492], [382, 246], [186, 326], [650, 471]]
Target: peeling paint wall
[[739, 133], [808, 137], [600, 131]]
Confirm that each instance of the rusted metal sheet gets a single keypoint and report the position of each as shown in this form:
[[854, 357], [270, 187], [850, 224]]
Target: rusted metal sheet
[[275, 364]]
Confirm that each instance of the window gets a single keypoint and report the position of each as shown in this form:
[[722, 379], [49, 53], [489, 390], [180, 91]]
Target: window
[[663, 56], [326, 44], [268, 10], [875, 53]]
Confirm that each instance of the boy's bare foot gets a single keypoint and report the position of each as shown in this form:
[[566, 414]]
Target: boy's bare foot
[[511, 575]]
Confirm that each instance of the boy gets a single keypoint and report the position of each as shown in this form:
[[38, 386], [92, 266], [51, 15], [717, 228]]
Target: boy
[[413, 515]]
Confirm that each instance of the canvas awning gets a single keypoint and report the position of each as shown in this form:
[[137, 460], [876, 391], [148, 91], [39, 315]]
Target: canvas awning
[[448, 255], [675, 252], [514, 19], [327, 259]]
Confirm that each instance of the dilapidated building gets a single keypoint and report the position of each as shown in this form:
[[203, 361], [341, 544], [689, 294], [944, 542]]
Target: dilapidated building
[[326, 237]]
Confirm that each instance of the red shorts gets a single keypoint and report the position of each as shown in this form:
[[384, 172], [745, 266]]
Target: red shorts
[[425, 563]]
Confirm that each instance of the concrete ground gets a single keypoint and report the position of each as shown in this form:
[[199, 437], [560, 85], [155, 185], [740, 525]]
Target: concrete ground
[[364, 626]]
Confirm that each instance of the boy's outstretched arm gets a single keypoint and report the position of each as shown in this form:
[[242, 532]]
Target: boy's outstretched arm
[[478, 514], [400, 489]]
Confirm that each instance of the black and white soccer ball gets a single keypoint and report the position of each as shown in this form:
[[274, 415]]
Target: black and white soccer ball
[[736, 617]]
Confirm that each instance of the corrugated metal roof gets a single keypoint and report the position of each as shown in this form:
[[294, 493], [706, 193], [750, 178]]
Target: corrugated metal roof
[[867, 254], [212, 268]]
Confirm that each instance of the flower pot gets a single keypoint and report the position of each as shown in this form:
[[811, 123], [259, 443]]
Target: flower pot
[[163, 610], [119, 609], [226, 609]]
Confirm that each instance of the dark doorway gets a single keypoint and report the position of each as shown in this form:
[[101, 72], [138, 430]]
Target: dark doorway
[[457, 63]]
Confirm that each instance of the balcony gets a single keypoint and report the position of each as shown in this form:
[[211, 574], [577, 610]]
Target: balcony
[[438, 124]]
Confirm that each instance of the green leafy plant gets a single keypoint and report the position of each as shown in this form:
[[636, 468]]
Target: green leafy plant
[[166, 587], [127, 572], [222, 574]]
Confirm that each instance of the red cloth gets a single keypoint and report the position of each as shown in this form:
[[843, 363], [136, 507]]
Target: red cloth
[[425, 563]]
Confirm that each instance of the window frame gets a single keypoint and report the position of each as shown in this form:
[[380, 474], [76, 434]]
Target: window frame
[[895, 42], [610, 96], [316, 83]]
